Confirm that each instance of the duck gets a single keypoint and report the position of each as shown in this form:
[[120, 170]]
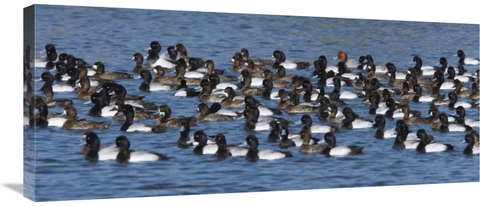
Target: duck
[[381, 133], [48, 78], [353, 122], [376, 107], [306, 147], [394, 110], [421, 70], [359, 83], [463, 60], [139, 61], [207, 94], [83, 88], [475, 135], [474, 95], [288, 141], [370, 65], [165, 119], [253, 154], [102, 74], [184, 91], [72, 123], [350, 63], [281, 74], [185, 141], [471, 149], [276, 132], [100, 108], [154, 57], [120, 93], [268, 90], [402, 142], [280, 134], [222, 150], [160, 76], [232, 100], [140, 113], [337, 94], [129, 126], [146, 85], [202, 147], [446, 126], [434, 122], [465, 121], [373, 72], [245, 55], [454, 103], [309, 95], [93, 150], [211, 70], [247, 88], [39, 117], [334, 150], [280, 59], [406, 93], [428, 145], [317, 128], [460, 90], [295, 107], [182, 52], [403, 128], [217, 85], [393, 82], [414, 118], [268, 74], [181, 71], [126, 155], [206, 116], [250, 101], [51, 102], [418, 97], [283, 102], [451, 71], [444, 84]]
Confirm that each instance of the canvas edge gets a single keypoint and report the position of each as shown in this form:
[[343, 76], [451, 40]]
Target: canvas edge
[[29, 155]]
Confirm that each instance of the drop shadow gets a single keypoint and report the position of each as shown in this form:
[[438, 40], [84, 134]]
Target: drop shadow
[[15, 187]]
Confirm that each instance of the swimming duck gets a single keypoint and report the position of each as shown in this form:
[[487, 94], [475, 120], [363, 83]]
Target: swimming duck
[[334, 150]]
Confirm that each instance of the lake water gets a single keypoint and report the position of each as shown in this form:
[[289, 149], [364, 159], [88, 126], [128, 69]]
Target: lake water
[[113, 35]]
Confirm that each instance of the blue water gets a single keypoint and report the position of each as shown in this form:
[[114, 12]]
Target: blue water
[[110, 35]]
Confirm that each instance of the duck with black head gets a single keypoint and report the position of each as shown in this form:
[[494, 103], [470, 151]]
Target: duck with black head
[[463, 120], [254, 154], [126, 155], [130, 126], [381, 132], [446, 126], [280, 59], [472, 147], [427, 143], [334, 150]]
